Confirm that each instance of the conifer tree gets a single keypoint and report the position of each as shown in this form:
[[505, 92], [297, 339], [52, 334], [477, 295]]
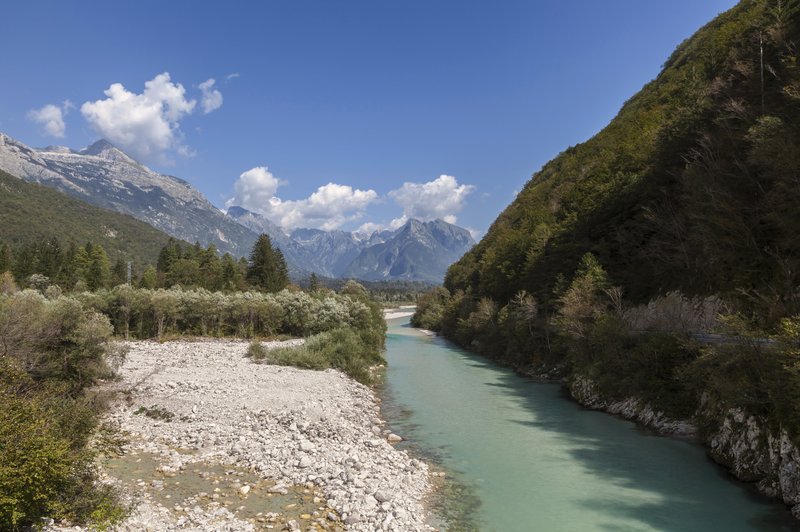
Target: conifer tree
[[98, 274], [149, 278], [6, 258], [119, 273], [267, 268]]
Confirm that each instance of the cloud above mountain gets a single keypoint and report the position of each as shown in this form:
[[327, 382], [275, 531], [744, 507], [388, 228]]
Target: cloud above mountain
[[147, 124], [51, 118], [329, 207], [441, 198], [211, 98]]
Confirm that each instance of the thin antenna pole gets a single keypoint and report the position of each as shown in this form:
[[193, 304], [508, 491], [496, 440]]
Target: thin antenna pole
[[761, 52]]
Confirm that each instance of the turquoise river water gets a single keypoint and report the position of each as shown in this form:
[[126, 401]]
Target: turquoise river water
[[521, 456]]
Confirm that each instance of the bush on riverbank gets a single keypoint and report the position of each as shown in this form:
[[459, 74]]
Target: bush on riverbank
[[343, 349], [144, 313], [351, 345], [50, 352]]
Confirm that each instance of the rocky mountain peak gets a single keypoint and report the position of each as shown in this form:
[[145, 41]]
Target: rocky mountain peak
[[105, 150]]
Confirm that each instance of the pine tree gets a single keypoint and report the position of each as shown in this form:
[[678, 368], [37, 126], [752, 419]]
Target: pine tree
[[119, 273], [313, 283], [231, 275], [6, 258], [80, 264], [267, 268], [168, 254], [98, 274], [149, 278], [50, 258], [210, 268]]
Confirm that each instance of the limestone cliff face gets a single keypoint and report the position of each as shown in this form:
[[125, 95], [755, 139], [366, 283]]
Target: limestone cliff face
[[741, 442], [756, 453], [585, 392]]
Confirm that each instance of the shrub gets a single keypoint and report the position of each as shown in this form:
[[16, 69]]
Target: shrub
[[35, 465], [45, 469], [256, 351], [341, 348], [51, 350]]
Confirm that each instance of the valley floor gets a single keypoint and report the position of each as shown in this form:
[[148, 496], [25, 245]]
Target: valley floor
[[217, 442]]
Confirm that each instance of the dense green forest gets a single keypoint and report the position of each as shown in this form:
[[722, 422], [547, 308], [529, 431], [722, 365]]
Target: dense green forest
[[678, 219], [35, 213]]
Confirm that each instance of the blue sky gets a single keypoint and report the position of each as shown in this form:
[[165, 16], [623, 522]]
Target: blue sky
[[336, 113]]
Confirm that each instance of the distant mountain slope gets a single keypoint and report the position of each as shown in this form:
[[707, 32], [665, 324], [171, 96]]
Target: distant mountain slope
[[30, 212], [106, 177], [328, 252], [419, 251], [295, 256]]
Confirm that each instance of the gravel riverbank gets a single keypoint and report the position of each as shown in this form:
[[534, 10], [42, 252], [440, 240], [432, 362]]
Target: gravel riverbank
[[195, 405]]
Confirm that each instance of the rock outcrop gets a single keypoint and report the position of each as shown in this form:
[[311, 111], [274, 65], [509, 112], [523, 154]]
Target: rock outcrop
[[743, 443]]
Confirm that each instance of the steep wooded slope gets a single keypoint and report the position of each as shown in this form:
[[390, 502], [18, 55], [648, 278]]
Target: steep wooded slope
[[692, 187]]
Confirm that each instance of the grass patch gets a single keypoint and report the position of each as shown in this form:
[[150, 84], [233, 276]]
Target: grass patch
[[342, 349]]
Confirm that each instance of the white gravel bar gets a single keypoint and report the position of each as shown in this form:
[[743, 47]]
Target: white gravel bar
[[318, 429]]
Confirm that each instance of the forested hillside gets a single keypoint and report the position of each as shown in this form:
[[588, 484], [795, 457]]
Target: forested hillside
[[692, 187], [32, 214], [658, 263]]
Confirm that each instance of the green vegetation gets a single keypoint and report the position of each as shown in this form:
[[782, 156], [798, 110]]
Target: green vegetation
[[267, 268], [37, 214], [348, 333], [343, 349], [51, 351], [53, 348], [621, 250], [394, 292]]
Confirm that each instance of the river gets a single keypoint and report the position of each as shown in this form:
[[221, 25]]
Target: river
[[521, 455]]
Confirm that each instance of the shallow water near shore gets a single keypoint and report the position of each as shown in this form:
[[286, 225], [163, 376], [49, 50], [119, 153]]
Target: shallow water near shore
[[213, 484], [522, 456]]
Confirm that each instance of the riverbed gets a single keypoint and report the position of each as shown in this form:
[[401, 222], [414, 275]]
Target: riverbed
[[521, 455]]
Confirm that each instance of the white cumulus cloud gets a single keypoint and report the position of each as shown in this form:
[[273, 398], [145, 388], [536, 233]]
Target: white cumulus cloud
[[147, 125], [255, 188], [212, 98], [51, 118], [329, 207], [441, 198]]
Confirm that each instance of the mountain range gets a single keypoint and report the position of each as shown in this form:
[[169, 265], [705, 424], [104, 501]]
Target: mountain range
[[417, 251], [104, 176]]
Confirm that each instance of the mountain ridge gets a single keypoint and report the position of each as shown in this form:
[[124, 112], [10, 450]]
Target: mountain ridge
[[383, 255], [106, 177], [103, 175]]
